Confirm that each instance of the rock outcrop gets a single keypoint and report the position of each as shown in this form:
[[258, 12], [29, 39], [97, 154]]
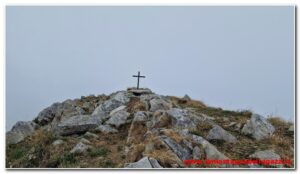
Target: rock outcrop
[[267, 155], [258, 127], [145, 163], [218, 133], [77, 124], [19, 131]]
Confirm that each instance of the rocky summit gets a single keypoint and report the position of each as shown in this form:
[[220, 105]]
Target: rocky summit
[[136, 128]]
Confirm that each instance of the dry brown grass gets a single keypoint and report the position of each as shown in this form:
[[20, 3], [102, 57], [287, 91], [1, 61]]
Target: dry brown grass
[[136, 132], [174, 135], [135, 152], [202, 129], [186, 103], [163, 120], [135, 105], [279, 123]]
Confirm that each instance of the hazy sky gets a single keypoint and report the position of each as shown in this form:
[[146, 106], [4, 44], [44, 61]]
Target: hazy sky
[[230, 57]]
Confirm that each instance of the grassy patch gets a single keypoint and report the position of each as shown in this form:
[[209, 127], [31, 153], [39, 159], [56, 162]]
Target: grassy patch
[[18, 153], [186, 103], [135, 105], [202, 129], [94, 152], [67, 159]]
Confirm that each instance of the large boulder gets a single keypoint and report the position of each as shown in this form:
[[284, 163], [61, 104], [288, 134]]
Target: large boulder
[[211, 152], [266, 155], [114, 102], [159, 104], [145, 162], [20, 131], [218, 133], [66, 108], [77, 124], [119, 118], [181, 119], [120, 108], [258, 127], [182, 152]]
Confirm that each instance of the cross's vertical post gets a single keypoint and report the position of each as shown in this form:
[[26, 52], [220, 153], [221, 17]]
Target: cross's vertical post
[[138, 82]]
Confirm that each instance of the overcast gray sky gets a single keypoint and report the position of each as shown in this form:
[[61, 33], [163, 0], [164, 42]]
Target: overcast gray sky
[[231, 57]]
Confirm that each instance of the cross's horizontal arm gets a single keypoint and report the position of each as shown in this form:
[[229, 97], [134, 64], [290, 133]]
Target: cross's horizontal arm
[[139, 76]]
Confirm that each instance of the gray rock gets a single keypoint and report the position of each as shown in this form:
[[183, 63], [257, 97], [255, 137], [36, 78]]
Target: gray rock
[[267, 155], [80, 148], [106, 129], [20, 131], [117, 110], [14, 137], [181, 152], [121, 96], [114, 102], [184, 132], [180, 119], [85, 141], [231, 124], [144, 163], [291, 128], [118, 118], [196, 153], [218, 133], [210, 150], [238, 127], [159, 104], [77, 124], [91, 135], [57, 142], [155, 163], [258, 127], [106, 107], [140, 116], [66, 108]]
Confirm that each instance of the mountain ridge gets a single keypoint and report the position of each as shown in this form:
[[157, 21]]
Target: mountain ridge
[[136, 128]]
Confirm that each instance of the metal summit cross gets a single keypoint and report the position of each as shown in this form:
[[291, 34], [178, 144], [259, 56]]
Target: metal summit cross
[[138, 82]]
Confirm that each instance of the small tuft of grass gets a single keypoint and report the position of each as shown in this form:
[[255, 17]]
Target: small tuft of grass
[[278, 123], [17, 154], [186, 103], [67, 159], [94, 152], [202, 129], [109, 164], [174, 135]]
